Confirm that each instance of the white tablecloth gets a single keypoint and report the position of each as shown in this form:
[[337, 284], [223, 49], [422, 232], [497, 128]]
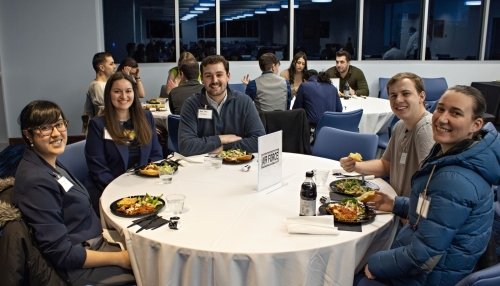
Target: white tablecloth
[[230, 234], [377, 113]]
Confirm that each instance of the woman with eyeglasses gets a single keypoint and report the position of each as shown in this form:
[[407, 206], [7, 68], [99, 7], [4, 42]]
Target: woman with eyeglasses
[[123, 137], [450, 208], [57, 207]]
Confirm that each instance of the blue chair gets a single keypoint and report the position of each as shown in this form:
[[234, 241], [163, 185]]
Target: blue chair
[[348, 120], [486, 277], [383, 137], [237, 86], [334, 144], [173, 129], [74, 160], [434, 88], [382, 86]]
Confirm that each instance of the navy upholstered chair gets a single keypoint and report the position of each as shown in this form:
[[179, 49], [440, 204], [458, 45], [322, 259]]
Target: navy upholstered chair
[[434, 88], [74, 160], [173, 129], [348, 120], [237, 86], [382, 85], [385, 135], [334, 144]]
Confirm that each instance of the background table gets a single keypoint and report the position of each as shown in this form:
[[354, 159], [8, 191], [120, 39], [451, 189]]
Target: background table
[[377, 113], [230, 234]]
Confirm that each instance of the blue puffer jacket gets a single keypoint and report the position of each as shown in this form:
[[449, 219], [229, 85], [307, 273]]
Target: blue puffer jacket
[[444, 246]]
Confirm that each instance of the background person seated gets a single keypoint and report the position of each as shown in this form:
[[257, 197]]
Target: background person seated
[[189, 71], [269, 91]]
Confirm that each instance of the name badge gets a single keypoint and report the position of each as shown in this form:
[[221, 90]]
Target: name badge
[[107, 136], [402, 161], [423, 205], [65, 183], [204, 114]]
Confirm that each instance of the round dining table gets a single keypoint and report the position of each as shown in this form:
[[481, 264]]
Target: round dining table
[[377, 113], [231, 234]]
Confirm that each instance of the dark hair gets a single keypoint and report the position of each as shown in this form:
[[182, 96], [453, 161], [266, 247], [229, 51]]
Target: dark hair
[[142, 127], [39, 112], [310, 73], [184, 56], [479, 108], [292, 70], [343, 53], [267, 60], [212, 60], [99, 59], [417, 81], [128, 62], [323, 77], [190, 69]]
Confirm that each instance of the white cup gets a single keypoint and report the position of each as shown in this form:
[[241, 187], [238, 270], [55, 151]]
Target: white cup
[[175, 203], [321, 176]]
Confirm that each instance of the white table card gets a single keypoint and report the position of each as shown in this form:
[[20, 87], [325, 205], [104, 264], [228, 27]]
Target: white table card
[[270, 161]]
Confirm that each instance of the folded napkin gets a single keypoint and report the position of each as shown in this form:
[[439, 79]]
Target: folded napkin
[[192, 159], [311, 225]]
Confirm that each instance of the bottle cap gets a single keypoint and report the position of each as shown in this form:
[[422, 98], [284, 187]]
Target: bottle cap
[[309, 174]]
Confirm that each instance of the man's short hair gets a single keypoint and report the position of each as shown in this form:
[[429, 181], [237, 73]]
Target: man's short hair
[[344, 53], [417, 81], [99, 59], [267, 60], [213, 60], [190, 69]]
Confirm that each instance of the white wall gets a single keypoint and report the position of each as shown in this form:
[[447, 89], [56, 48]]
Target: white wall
[[46, 48]]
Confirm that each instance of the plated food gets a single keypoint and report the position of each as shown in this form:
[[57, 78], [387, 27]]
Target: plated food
[[153, 101], [135, 206], [352, 187], [153, 169], [350, 210], [366, 197], [235, 156]]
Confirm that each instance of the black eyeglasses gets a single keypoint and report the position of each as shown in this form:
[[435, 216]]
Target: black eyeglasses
[[47, 129]]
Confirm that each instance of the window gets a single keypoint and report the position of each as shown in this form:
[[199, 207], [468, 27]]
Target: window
[[251, 28], [493, 32], [338, 18], [391, 29]]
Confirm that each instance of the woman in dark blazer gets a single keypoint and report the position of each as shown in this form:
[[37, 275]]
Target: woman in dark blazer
[[123, 137]]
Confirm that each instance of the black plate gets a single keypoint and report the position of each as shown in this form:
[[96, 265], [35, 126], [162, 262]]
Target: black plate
[[368, 184], [174, 164], [114, 207], [368, 217], [237, 162]]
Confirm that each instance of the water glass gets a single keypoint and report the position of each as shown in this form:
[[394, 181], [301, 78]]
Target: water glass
[[215, 162], [165, 177], [175, 203], [320, 177]]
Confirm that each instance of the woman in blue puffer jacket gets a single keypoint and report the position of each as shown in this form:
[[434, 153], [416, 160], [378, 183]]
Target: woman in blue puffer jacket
[[450, 209]]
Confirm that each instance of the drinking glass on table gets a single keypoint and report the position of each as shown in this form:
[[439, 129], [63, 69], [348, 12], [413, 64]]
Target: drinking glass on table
[[321, 176], [175, 203], [166, 176]]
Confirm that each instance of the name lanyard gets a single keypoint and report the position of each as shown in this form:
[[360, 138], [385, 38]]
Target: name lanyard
[[423, 204]]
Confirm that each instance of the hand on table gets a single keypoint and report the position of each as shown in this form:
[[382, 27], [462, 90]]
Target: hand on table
[[228, 138]]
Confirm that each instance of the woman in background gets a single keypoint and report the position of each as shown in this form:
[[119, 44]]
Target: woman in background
[[57, 206], [295, 73], [450, 209], [130, 67], [174, 78], [123, 137]]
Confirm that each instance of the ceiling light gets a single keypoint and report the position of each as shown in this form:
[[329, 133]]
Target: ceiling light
[[321, 1], [260, 11], [284, 4], [195, 12], [207, 3], [472, 3], [201, 8], [273, 8]]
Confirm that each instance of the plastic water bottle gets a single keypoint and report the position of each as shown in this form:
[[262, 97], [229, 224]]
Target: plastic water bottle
[[347, 92], [308, 196]]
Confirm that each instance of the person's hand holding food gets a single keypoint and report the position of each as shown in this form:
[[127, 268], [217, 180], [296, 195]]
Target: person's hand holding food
[[349, 163]]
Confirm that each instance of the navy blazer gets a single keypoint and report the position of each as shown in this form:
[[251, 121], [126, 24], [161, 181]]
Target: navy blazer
[[61, 220], [107, 160]]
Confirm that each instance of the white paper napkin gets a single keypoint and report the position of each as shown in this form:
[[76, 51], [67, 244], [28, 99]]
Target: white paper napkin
[[192, 159], [311, 225]]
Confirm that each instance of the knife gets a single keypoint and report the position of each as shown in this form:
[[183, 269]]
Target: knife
[[138, 221], [147, 224]]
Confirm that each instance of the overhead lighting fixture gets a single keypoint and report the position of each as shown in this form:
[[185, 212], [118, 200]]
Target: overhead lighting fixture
[[248, 14], [207, 3], [195, 12], [188, 17], [321, 1], [273, 8], [260, 11], [199, 8], [472, 3], [284, 4]]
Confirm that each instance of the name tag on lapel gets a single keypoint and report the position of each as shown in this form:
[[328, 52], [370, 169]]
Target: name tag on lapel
[[65, 183], [204, 114], [107, 136]]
